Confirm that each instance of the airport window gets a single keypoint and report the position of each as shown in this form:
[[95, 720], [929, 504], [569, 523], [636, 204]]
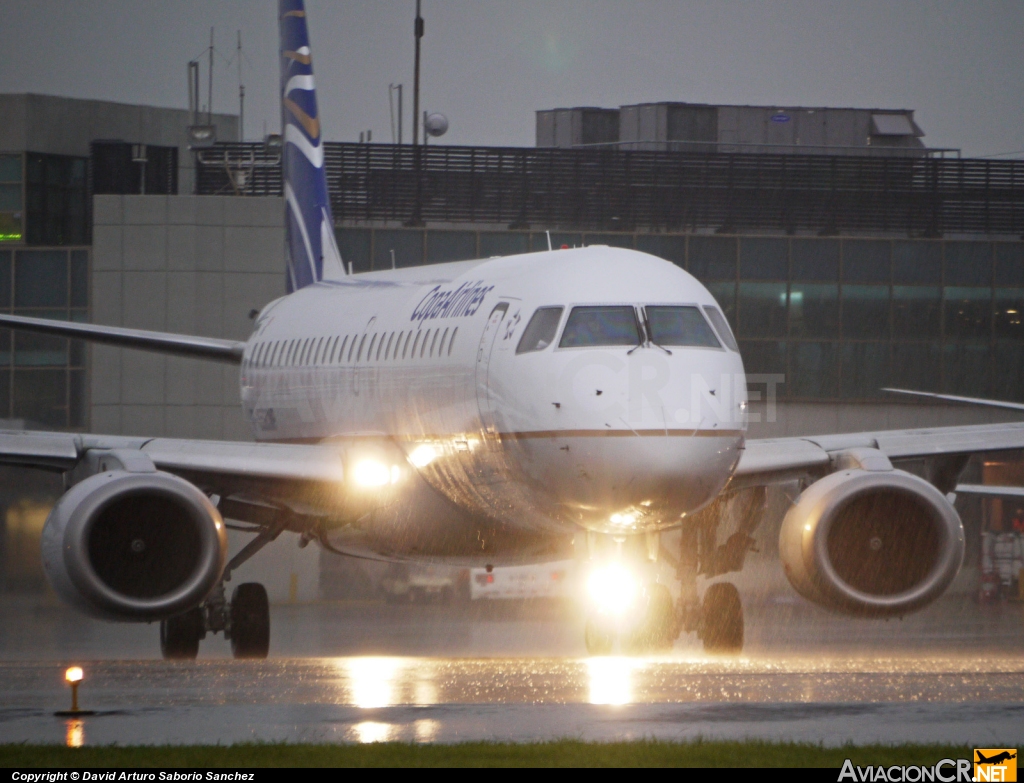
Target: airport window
[[354, 246], [764, 356], [712, 258], [40, 350], [968, 313], [865, 369], [916, 311], [41, 395], [762, 309], [5, 278], [56, 200], [503, 243], [968, 263], [966, 369], [445, 246], [600, 326], [41, 278], [866, 261], [764, 259], [682, 326], [611, 240], [540, 331], [1008, 381], [917, 262], [451, 342], [79, 278], [725, 295], [865, 311], [416, 342], [423, 347], [813, 369], [815, 260], [916, 366], [359, 353], [673, 248], [1009, 313], [813, 310], [1009, 264], [722, 327], [408, 247]]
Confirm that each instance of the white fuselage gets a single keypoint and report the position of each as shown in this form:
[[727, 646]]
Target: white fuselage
[[423, 362]]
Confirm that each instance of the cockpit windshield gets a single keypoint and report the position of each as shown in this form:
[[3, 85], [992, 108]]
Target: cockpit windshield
[[679, 326], [540, 332], [601, 325]]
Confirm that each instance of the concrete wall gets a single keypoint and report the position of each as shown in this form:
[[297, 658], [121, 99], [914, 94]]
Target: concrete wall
[[188, 264], [67, 126]]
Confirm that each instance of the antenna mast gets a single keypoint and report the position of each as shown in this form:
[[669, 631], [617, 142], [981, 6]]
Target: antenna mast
[[209, 90], [241, 92]]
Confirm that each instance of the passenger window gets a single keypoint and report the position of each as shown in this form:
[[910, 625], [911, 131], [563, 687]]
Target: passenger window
[[440, 347], [334, 347], [423, 348], [683, 326], [603, 325], [405, 345], [380, 347], [541, 330], [451, 342], [350, 348], [359, 354], [722, 327], [369, 351], [387, 351], [433, 343], [415, 344]]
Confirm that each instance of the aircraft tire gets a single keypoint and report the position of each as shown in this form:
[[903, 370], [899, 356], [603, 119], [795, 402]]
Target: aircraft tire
[[598, 640], [660, 628], [721, 619], [180, 635], [250, 621]]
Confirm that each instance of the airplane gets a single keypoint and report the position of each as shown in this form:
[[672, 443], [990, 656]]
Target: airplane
[[1003, 756], [520, 409]]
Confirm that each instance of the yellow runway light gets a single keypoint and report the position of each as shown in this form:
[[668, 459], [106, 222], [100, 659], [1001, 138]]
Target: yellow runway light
[[73, 676]]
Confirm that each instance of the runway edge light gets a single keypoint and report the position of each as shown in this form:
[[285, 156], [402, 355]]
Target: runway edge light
[[74, 676]]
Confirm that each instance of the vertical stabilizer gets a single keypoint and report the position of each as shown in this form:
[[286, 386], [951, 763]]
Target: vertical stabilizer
[[309, 229]]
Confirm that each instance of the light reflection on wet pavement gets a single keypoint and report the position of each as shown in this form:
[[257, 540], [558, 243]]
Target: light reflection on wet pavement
[[932, 685]]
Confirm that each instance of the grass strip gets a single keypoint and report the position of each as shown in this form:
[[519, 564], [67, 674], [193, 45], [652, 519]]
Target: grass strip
[[556, 753]]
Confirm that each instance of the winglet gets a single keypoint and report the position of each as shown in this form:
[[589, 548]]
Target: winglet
[[309, 227]]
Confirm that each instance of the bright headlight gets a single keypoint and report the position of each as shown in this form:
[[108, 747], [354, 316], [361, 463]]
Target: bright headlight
[[613, 588], [371, 473], [423, 455]]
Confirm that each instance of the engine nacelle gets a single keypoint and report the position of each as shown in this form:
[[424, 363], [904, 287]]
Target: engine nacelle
[[875, 543], [134, 546]]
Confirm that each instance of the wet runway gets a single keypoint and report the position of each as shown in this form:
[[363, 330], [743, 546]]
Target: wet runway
[[366, 672]]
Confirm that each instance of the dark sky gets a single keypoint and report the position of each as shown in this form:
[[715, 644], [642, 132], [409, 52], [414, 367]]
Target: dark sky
[[489, 64]]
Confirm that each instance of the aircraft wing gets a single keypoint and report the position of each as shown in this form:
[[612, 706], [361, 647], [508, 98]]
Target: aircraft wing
[[775, 460]]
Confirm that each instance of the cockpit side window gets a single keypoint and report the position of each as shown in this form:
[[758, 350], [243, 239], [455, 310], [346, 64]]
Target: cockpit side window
[[541, 330], [680, 326], [600, 325], [722, 327]]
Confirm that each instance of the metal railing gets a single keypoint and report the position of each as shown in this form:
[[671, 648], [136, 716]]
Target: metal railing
[[612, 189]]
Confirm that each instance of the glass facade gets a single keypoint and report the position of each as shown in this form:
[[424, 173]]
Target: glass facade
[[840, 318], [12, 206], [42, 378]]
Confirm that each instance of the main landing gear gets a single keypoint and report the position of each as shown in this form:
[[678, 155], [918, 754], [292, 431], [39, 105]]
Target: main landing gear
[[245, 620]]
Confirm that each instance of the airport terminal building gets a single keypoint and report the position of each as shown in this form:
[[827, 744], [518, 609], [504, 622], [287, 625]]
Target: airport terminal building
[[847, 255]]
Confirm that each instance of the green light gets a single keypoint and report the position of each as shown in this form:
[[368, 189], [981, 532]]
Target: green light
[[10, 237]]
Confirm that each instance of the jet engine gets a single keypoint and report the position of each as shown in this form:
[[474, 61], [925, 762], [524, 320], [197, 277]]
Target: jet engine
[[134, 546], [871, 543]]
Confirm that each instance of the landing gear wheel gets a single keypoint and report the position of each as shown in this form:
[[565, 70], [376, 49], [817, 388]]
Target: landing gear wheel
[[598, 640], [250, 621], [660, 627], [180, 635], [721, 619]]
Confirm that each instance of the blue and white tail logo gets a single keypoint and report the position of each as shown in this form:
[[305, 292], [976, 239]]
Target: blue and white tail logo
[[309, 230]]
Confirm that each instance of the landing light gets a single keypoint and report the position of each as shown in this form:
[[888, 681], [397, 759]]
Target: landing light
[[613, 588], [624, 519], [371, 473], [423, 455]]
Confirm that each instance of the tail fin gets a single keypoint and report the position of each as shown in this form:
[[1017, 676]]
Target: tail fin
[[309, 228]]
